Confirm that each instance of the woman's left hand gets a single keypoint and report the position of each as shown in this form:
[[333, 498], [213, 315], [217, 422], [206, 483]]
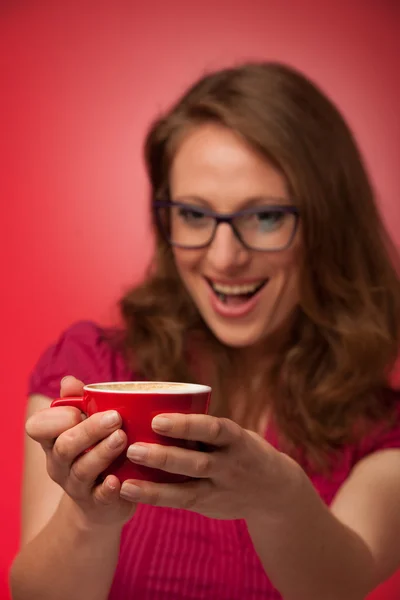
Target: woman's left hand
[[242, 475]]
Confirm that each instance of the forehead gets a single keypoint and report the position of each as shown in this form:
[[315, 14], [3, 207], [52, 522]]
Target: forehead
[[216, 165]]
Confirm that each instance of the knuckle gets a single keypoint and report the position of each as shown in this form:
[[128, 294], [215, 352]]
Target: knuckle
[[90, 429], [73, 415], [162, 458], [186, 426], [108, 449], [78, 473], [53, 471], [153, 495], [30, 428], [35, 426], [101, 497], [233, 430], [216, 426], [62, 447], [202, 467], [189, 500]]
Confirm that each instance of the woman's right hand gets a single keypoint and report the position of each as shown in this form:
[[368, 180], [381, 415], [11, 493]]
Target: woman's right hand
[[64, 436]]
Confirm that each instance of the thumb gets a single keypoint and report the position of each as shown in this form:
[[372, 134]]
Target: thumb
[[70, 386]]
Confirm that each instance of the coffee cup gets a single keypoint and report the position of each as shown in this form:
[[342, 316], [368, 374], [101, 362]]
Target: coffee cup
[[138, 402]]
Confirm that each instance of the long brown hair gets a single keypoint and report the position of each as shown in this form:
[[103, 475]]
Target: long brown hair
[[329, 377]]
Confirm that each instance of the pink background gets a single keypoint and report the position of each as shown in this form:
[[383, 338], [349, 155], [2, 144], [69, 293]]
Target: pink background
[[80, 83]]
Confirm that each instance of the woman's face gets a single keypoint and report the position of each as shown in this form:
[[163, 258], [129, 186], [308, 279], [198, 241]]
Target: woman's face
[[243, 295]]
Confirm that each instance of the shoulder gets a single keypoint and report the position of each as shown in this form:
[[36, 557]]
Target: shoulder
[[85, 350], [383, 435]]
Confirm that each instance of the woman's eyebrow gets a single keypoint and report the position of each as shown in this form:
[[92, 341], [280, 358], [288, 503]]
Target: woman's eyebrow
[[245, 203]]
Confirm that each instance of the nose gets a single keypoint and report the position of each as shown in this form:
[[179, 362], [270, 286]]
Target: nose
[[226, 252]]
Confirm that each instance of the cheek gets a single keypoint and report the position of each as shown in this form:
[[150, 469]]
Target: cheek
[[277, 264], [292, 270], [286, 268], [187, 261]]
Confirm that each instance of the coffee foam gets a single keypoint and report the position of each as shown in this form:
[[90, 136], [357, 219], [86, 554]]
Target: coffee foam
[[148, 387]]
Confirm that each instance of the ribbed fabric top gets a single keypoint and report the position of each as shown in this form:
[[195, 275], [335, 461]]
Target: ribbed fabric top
[[170, 554]]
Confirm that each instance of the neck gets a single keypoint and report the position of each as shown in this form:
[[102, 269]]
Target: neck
[[257, 359]]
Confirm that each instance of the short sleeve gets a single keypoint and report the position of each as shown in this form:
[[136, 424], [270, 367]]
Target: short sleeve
[[384, 436], [85, 351]]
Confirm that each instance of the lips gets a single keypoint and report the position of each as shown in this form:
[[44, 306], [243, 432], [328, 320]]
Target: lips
[[238, 290], [247, 289], [236, 298]]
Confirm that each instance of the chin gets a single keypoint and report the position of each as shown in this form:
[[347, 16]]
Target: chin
[[251, 335], [236, 339]]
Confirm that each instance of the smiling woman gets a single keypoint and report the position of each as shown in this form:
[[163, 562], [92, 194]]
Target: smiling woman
[[273, 282], [216, 165], [247, 139], [265, 227]]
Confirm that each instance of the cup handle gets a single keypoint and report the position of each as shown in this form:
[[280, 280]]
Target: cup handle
[[76, 402]]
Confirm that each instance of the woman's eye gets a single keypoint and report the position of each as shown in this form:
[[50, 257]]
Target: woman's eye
[[190, 215], [270, 218]]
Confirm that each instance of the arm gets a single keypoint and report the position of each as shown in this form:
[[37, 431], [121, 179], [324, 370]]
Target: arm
[[69, 547], [66, 559], [310, 552], [338, 554]]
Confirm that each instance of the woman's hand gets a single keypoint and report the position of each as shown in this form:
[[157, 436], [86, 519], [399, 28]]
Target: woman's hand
[[64, 436], [241, 475]]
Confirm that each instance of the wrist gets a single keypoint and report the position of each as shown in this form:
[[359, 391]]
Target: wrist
[[76, 518], [282, 492]]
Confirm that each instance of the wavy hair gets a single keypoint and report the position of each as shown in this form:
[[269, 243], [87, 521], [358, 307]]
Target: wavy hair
[[327, 382]]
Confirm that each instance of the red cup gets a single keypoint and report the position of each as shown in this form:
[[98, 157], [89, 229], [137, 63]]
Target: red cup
[[138, 402]]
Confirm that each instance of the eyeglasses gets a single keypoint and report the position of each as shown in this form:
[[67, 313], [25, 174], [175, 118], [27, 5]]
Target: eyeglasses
[[265, 228]]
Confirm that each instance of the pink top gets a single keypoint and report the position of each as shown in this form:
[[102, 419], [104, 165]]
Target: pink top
[[170, 554]]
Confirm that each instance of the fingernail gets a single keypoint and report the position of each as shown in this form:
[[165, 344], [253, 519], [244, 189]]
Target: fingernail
[[162, 423], [110, 418], [130, 491], [138, 453], [64, 379], [110, 485], [114, 440]]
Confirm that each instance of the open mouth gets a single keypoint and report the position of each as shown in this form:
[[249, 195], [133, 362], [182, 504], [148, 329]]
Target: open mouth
[[235, 295]]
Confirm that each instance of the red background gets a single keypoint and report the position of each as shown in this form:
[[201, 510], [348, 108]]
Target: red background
[[80, 82]]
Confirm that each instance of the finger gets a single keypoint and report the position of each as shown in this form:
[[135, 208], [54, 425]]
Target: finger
[[176, 495], [108, 491], [200, 428], [71, 443], [173, 460], [87, 468], [46, 425], [70, 386]]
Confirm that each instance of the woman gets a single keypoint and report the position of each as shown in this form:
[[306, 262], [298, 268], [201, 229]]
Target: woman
[[272, 281]]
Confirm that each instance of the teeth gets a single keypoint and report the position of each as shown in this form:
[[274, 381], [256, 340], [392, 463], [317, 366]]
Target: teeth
[[236, 290]]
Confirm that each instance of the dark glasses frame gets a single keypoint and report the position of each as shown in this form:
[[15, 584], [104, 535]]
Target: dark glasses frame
[[224, 218]]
